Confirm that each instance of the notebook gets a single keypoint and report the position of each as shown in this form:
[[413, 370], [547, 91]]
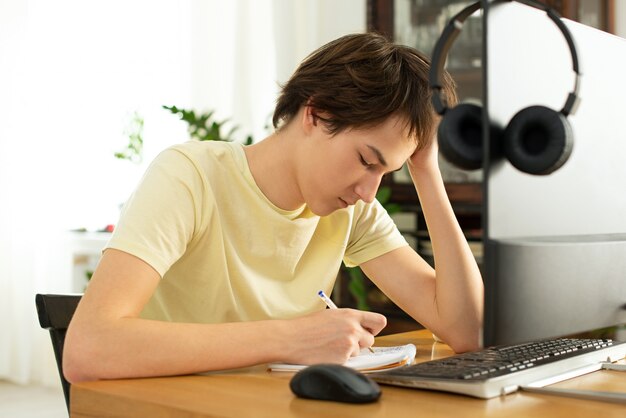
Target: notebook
[[383, 358]]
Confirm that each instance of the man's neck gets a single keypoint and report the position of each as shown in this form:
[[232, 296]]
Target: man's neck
[[272, 165]]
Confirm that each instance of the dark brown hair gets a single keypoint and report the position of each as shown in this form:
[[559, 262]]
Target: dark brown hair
[[358, 81]]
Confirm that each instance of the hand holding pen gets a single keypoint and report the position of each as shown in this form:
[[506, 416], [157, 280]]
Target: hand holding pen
[[332, 305]]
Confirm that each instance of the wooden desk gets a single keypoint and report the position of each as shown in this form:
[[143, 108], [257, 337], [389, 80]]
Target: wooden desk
[[255, 392]]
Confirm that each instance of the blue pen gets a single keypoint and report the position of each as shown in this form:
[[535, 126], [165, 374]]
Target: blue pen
[[326, 300], [332, 305]]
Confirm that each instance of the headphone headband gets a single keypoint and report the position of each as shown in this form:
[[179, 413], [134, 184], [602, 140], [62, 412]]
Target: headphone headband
[[454, 26]]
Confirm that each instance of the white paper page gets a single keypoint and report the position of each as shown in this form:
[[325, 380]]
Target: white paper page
[[366, 360]]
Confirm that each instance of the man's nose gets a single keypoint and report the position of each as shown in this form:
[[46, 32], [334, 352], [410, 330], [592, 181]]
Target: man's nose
[[368, 186]]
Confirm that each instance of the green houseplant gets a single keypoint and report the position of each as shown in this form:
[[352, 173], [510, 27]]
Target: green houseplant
[[133, 151], [204, 127]]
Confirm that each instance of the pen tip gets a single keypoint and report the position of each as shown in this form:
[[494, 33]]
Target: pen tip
[[321, 292]]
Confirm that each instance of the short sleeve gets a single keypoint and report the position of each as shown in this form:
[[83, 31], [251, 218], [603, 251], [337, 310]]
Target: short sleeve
[[373, 234], [160, 218]]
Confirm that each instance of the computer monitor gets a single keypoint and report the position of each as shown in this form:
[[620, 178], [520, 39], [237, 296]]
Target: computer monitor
[[555, 245]]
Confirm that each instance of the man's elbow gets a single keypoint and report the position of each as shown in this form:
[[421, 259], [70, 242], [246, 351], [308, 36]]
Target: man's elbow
[[462, 342], [72, 373], [78, 362], [74, 368], [464, 346]]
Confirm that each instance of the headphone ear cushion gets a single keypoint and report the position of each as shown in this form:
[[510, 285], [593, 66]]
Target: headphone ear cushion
[[460, 136], [538, 140]]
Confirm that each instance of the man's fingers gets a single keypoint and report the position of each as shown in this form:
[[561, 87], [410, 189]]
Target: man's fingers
[[373, 322]]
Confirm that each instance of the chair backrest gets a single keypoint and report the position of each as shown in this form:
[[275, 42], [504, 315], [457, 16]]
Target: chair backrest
[[55, 313]]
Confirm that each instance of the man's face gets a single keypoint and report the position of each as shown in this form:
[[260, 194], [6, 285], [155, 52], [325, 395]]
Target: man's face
[[337, 171]]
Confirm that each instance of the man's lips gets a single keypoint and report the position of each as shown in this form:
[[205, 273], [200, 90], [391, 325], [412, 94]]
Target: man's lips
[[346, 203]]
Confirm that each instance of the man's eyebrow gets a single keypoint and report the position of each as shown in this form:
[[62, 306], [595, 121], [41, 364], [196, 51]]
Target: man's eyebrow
[[379, 155]]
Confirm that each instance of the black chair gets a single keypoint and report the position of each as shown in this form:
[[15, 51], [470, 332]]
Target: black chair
[[55, 313]]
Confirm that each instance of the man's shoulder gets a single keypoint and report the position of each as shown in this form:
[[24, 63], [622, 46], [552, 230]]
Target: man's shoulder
[[199, 149], [209, 155]]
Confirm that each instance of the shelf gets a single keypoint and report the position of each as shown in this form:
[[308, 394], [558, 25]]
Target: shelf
[[469, 195]]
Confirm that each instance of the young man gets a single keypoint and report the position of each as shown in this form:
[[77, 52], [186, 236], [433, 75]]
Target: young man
[[219, 253]]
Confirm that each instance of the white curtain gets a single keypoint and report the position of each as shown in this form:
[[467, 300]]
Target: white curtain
[[72, 72]]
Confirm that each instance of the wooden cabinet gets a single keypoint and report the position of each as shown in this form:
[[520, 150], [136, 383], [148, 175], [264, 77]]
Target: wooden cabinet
[[599, 14], [596, 13], [419, 23]]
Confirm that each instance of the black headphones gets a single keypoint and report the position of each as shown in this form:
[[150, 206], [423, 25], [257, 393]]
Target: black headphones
[[537, 140]]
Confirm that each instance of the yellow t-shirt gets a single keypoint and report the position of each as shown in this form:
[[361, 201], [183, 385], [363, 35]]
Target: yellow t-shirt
[[225, 252]]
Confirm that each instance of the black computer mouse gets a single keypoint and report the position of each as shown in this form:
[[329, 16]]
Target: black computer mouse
[[333, 382]]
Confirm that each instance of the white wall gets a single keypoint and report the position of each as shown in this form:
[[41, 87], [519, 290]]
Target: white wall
[[71, 71], [302, 26]]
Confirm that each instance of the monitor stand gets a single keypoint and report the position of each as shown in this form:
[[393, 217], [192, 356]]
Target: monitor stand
[[594, 395]]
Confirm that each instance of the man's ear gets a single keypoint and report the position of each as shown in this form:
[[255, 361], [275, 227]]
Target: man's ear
[[309, 118]]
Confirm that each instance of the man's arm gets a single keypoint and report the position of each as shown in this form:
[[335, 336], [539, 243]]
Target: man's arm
[[448, 301], [106, 338]]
